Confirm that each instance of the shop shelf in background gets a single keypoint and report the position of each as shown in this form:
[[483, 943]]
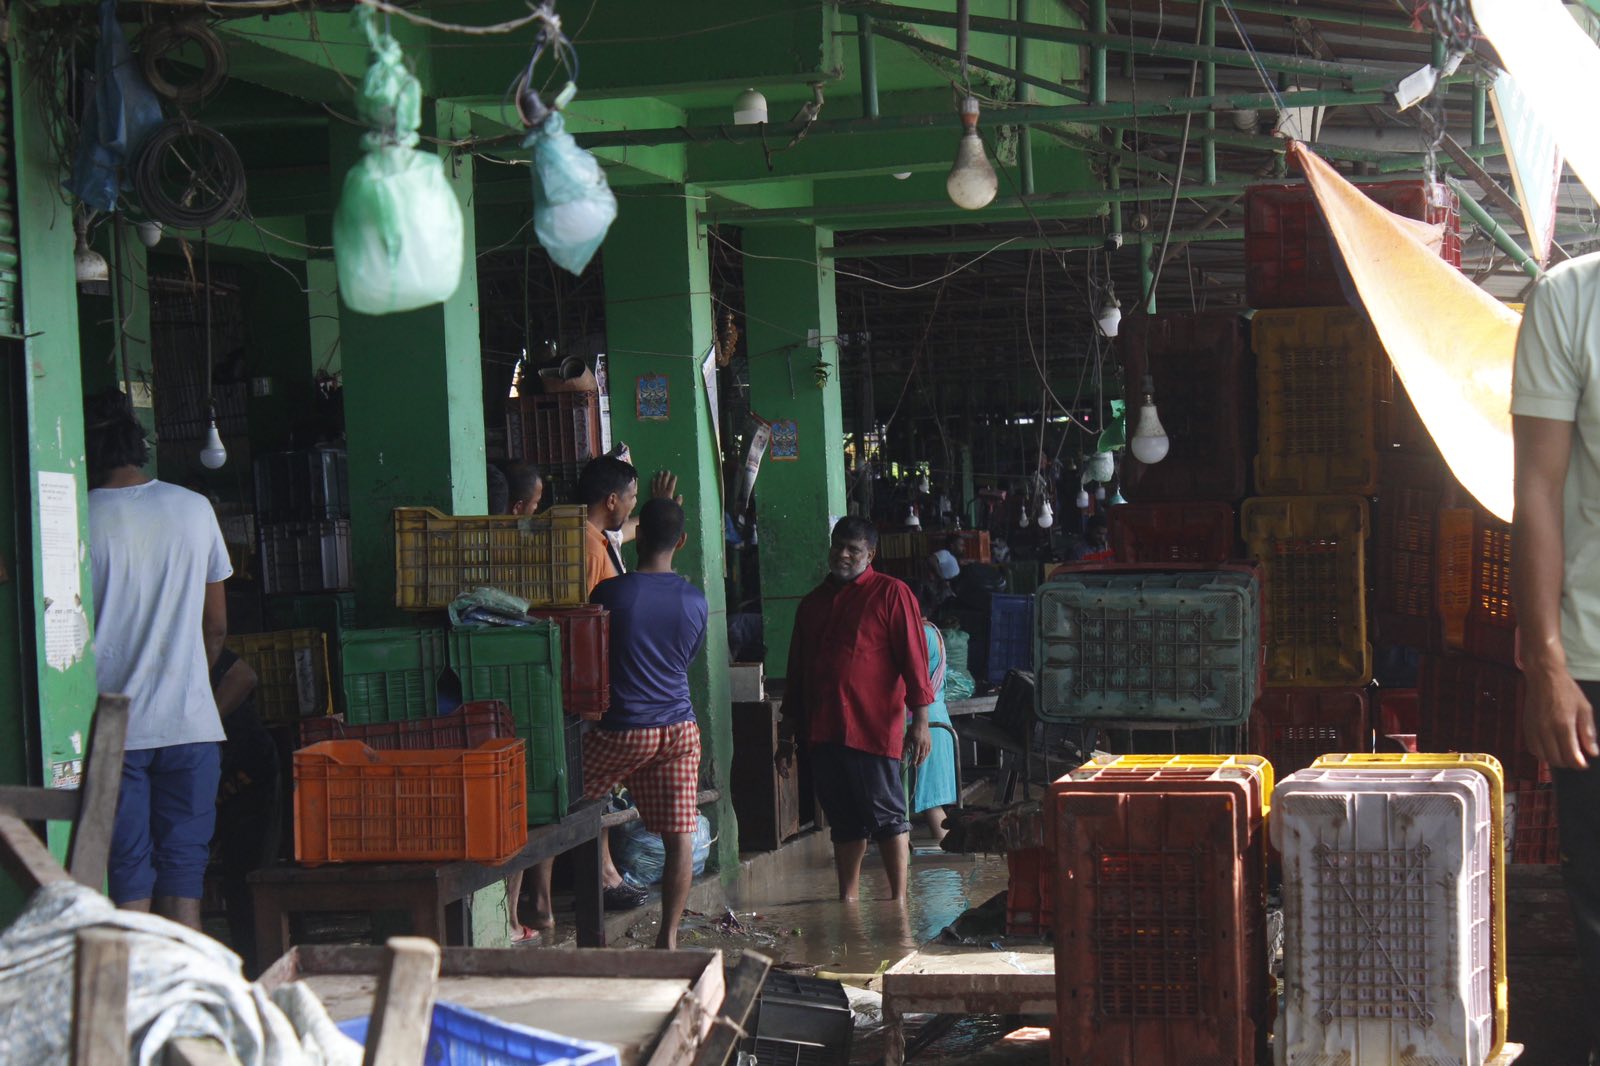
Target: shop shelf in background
[[354, 804], [301, 557], [555, 428], [1535, 833], [1491, 628], [1413, 489], [561, 483], [1010, 635], [1030, 893], [537, 557], [1149, 647], [292, 670], [392, 675], [902, 545], [467, 726], [1293, 726], [1290, 257], [585, 657], [1171, 532], [1468, 704], [1204, 377], [521, 665], [1406, 857], [1311, 550], [312, 485], [1321, 375]]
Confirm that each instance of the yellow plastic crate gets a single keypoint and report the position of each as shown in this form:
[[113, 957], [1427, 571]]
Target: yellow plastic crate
[[539, 557], [292, 665], [1489, 767], [1312, 551], [1322, 376], [903, 545], [1256, 764]]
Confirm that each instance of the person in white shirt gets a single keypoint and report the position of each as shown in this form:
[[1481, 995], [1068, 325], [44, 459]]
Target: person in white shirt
[[158, 562]]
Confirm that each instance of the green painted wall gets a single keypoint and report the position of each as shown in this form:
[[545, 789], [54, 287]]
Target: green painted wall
[[787, 301], [658, 322]]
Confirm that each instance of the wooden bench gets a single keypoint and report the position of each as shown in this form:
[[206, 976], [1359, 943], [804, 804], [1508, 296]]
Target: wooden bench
[[432, 894]]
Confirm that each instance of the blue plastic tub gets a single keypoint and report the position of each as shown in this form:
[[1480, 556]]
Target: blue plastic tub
[[462, 1037], [1010, 635]]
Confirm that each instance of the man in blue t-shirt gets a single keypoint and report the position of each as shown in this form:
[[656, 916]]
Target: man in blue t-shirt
[[649, 739]]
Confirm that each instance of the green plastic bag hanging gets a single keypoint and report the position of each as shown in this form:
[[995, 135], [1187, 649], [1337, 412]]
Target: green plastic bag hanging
[[573, 206], [397, 233]]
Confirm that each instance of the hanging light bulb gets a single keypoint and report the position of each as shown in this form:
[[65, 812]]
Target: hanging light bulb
[[1022, 520], [91, 267], [749, 108], [213, 455], [1083, 500], [1047, 516], [912, 521], [149, 232], [972, 182], [1149, 443], [1109, 318], [1099, 492], [924, 486]]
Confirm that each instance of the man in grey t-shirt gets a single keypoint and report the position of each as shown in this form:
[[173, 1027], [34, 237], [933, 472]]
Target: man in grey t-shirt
[[158, 562]]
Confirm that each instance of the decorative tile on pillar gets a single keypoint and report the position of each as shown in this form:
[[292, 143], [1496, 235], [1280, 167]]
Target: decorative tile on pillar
[[654, 401], [785, 441]]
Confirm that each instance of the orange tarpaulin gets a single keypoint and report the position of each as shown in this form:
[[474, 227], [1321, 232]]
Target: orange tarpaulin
[[1450, 342]]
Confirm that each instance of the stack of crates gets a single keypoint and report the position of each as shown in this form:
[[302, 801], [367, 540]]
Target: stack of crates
[[558, 431], [1160, 910], [303, 521], [1394, 910]]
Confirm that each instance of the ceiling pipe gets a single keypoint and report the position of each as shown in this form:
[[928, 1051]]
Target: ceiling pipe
[[1024, 96], [1325, 15], [1068, 242], [1208, 87], [869, 66], [1484, 221], [929, 48], [1098, 54]]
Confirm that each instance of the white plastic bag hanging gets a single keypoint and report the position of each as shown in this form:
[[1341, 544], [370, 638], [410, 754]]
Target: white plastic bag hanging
[[397, 233]]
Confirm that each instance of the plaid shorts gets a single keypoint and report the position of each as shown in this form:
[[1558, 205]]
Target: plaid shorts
[[660, 766]]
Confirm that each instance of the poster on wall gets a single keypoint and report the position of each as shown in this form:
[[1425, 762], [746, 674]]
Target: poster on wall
[[708, 374], [759, 433], [785, 441], [602, 380], [653, 400]]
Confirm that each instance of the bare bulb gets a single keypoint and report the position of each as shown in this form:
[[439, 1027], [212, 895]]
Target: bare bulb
[[1150, 442], [1109, 318], [1047, 516], [213, 455], [1099, 492], [1083, 499], [149, 233], [972, 183]]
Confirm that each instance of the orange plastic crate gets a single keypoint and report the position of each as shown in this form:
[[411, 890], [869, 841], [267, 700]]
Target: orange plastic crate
[[1452, 573], [354, 804], [1535, 833], [1030, 893], [1491, 629]]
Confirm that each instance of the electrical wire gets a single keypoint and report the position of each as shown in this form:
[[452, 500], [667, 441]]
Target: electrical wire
[[864, 277], [218, 183]]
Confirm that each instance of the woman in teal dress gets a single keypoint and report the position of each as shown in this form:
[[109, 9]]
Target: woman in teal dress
[[936, 778]]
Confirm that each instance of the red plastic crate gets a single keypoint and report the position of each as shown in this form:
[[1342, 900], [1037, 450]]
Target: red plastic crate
[[1293, 726], [557, 428], [1468, 704], [1491, 629], [1030, 894], [585, 658], [1535, 833], [1159, 924], [1171, 532], [1204, 378], [1290, 257], [967, 545], [354, 804], [1397, 712], [1412, 488], [467, 726]]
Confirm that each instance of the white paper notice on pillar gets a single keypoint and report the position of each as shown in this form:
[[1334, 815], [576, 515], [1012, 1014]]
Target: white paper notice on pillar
[[66, 626], [708, 374], [1535, 159]]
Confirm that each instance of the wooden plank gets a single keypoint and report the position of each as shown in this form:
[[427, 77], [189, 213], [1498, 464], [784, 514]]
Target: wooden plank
[[402, 1015], [692, 1020], [100, 999], [193, 1051], [738, 1001], [685, 964], [25, 857], [39, 804], [703, 797], [102, 782]]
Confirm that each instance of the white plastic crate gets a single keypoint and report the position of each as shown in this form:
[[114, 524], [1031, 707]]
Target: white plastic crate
[[1387, 915]]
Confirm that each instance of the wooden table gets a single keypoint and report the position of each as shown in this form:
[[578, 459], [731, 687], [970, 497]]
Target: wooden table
[[433, 894], [955, 979]]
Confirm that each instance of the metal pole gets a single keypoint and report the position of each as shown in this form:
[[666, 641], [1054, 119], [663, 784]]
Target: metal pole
[[982, 64], [1097, 56], [1024, 96], [1320, 14], [1069, 242], [1208, 36], [1147, 274], [869, 66], [1114, 177], [1484, 221], [1480, 113]]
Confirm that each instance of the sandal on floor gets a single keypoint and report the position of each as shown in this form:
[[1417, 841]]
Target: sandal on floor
[[525, 936]]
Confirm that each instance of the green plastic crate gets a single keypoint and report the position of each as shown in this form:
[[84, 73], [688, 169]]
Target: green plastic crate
[[522, 666], [1148, 648], [391, 675]]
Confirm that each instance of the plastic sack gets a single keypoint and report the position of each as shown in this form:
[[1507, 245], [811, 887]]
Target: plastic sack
[[117, 118], [958, 685], [397, 233], [573, 206], [641, 857]]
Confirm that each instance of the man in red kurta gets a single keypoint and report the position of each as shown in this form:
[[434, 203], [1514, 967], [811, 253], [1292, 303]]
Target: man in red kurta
[[857, 661]]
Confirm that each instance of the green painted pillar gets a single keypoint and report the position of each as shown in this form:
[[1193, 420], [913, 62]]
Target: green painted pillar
[[659, 324], [322, 303], [413, 400], [791, 308], [51, 582]]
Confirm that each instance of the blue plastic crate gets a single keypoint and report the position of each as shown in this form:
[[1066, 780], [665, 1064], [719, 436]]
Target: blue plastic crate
[[1146, 648], [461, 1037], [1010, 635]]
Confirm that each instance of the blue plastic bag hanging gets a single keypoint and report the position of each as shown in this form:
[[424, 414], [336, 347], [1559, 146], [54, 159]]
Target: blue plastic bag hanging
[[397, 233], [120, 113]]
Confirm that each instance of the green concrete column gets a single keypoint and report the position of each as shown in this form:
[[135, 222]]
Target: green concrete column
[[413, 400], [790, 305], [51, 583], [659, 324]]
